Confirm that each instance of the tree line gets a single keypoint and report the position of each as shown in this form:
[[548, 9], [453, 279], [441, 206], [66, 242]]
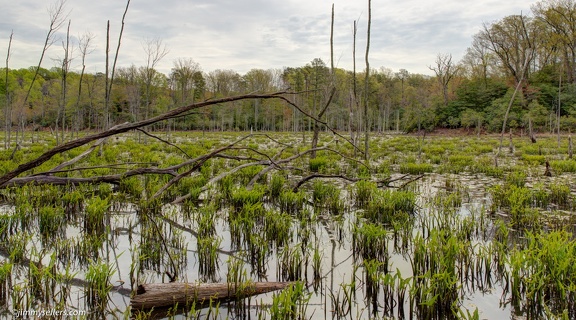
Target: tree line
[[534, 55]]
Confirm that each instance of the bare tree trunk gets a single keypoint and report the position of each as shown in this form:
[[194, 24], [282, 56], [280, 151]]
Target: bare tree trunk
[[321, 113], [332, 44], [156, 295], [354, 103], [367, 86], [558, 110], [8, 107], [107, 80], [84, 50], [61, 116], [111, 80], [508, 111], [56, 20]]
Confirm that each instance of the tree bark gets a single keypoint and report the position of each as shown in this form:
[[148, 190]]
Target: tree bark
[[156, 295], [367, 87]]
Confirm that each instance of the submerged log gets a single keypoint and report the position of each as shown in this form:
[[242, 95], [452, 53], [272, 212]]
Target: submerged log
[[155, 295]]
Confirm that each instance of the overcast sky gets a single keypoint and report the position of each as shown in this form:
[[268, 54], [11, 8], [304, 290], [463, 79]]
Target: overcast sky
[[265, 34]]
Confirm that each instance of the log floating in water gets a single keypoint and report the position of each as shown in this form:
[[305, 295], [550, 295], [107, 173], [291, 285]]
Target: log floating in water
[[167, 294]]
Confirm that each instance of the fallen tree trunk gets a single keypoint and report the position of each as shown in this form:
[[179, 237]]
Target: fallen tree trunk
[[156, 295]]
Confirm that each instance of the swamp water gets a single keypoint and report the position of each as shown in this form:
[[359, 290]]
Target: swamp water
[[436, 250]]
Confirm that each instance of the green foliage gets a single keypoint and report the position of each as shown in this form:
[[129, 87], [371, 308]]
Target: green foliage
[[99, 287], [546, 264], [291, 202], [388, 206], [276, 185], [51, 220], [290, 303], [242, 196], [327, 196], [416, 168], [370, 241], [516, 178], [318, 164], [562, 166], [95, 211], [364, 192]]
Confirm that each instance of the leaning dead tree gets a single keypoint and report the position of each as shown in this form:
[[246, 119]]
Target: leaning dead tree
[[16, 177]]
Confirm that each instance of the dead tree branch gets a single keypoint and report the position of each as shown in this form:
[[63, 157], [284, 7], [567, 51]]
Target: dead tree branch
[[121, 128], [319, 175]]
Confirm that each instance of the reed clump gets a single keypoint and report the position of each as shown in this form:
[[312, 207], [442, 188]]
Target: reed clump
[[416, 168], [390, 205], [242, 197], [98, 277], [292, 202], [370, 241], [543, 275], [95, 210], [291, 303], [318, 164], [326, 196], [363, 193]]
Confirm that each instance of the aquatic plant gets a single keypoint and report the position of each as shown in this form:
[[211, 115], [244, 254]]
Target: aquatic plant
[[390, 205], [208, 256], [363, 193], [416, 168], [51, 221], [318, 164], [544, 273], [5, 281], [98, 277], [291, 303], [95, 213], [276, 185], [292, 202], [242, 197], [370, 241]]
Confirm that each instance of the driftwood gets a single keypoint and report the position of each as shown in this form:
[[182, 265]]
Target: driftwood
[[156, 295]]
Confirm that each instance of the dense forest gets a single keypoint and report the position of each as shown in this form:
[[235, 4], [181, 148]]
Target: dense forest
[[534, 55]]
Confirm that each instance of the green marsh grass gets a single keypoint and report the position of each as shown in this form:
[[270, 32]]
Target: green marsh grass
[[563, 166], [277, 228], [416, 168], [373, 270], [276, 185], [318, 164], [208, 256], [390, 205], [442, 234], [543, 274], [485, 165], [363, 193], [291, 263], [292, 202], [326, 196], [242, 197], [51, 222], [96, 210], [291, 303], [370, 241], [5, 282], [98, 277]]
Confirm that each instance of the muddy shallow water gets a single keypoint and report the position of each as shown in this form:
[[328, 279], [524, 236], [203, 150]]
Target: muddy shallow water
[[340, 268]]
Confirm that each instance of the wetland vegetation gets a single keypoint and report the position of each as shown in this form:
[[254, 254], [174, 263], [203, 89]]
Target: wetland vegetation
[[428, 230], [141, 178]]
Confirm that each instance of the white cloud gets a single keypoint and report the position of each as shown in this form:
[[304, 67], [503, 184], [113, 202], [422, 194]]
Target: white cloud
[[241, 35]]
